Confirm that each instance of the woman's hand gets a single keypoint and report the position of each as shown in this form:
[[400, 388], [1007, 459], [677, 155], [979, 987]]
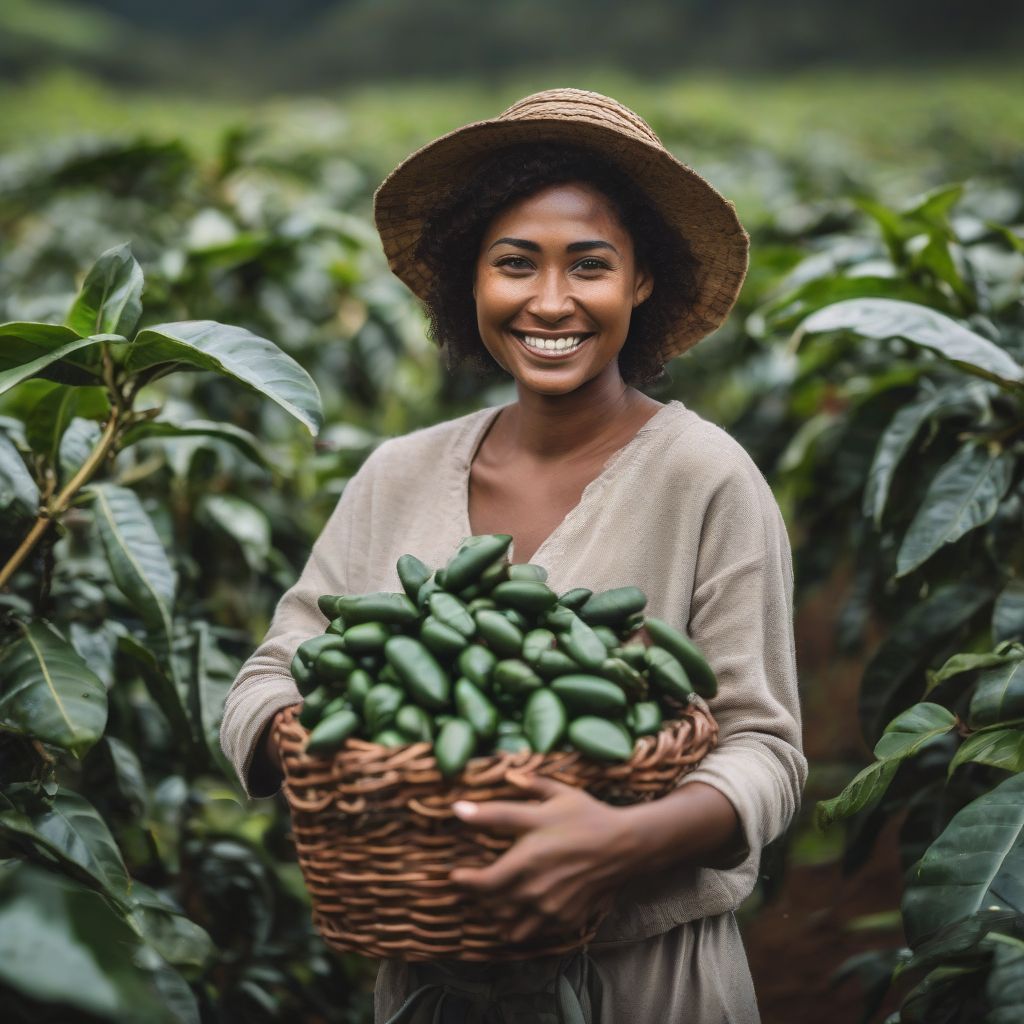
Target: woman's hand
[[572, 854]]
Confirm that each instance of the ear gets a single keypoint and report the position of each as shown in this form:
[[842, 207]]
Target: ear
[[643, 287]]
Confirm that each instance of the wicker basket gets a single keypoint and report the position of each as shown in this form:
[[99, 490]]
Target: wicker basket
[[376, 836]]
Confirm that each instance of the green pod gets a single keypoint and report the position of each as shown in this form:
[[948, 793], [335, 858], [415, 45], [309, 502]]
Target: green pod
[[337, 626], [454, 746], [333, 666], [479, 602], [634, 655], [328, 605], [309, 650], [583, 645], [531, 597], [527, 571], [394, 609], [413, 573], [303, 675], [425, 592], [516, 677], [512, 743], [366, 638], [559, 618], [468, 563], [390, 738], [387, 674], [667, 674], [381, 706], [359, 684], [601, 739], [552, 664], [632, 624], [427, 683], [493, 575], [613, 607], [471, 593], [502, 636], [476, 709], [336, 705], [440, 720], [509, 726], [626, 677], [687, 653], [607, 636], [313, 706], [536, 643], [645, 718], [414, 722], [589, 695], [476, 663], [332, 732], [517, 618], [441, 639], [575, 598], [544, 720], [447, 608]]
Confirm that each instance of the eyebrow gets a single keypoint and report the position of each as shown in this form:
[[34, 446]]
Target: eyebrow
[[522, 243]]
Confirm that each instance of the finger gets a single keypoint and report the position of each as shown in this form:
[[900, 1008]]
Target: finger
[[526, 928], [539, 785], [501, 874], [502, 817]]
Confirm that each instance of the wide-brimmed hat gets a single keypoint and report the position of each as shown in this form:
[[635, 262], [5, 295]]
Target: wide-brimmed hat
[[690, 205]]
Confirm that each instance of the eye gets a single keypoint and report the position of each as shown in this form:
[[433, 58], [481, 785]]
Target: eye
[[513, 262], [591, 263]]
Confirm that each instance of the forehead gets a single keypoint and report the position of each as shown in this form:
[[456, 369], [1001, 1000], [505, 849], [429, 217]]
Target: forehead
[[571, 207]]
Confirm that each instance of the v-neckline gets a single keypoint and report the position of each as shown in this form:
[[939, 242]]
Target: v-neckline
[[475, 438]]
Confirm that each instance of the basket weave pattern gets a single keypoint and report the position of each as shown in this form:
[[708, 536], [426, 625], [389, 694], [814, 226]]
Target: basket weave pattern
[[376, 836]]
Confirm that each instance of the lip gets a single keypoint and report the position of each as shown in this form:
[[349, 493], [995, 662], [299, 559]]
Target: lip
[[552, 356]]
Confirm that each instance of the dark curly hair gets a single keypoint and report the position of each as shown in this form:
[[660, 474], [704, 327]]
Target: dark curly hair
[[452, 236]]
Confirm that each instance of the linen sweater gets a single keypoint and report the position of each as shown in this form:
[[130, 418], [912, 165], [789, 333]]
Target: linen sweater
[[681, 512]]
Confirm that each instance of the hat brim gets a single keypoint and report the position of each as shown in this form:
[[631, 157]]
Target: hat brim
[[689, 204]]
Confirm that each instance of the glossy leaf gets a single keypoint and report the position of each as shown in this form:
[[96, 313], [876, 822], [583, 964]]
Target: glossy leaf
[[867, 787], [999, 694], [161, 685], [891, 675], [998, 748], [962, 663], [19, 495], [213, 675], [62, 943], [925, 328], [110, 299], [243, 522], [43, 350], [236, 353], [138, 561], [49, 692], [245, 442], [1004, 988], [78, 442], [962, 938], [1008, 613], [49, 418], [964, 494], [976, 863], [909, 731], [178, 940]]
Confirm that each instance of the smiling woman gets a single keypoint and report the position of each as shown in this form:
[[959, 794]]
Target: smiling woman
[[563, 245]]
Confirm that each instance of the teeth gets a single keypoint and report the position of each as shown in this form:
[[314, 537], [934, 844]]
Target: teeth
[[553, 344]]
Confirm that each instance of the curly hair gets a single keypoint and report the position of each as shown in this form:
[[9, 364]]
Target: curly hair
[[452, 236]]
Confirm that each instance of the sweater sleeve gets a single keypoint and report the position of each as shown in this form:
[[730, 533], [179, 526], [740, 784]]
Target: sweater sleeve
[[741, 616], [264, 684]]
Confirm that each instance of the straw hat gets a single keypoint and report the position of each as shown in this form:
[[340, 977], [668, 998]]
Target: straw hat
[[708, 222]]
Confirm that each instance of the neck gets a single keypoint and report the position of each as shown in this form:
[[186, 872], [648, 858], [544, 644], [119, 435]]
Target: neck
[[549, 427]]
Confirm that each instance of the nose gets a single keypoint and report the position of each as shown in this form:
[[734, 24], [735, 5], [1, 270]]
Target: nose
[[552, 300]]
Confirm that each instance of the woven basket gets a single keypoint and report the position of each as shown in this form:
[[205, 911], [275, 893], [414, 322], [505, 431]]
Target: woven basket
[[376, 836]]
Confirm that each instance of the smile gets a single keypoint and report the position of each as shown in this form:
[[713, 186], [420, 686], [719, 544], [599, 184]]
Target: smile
[[551, 347]]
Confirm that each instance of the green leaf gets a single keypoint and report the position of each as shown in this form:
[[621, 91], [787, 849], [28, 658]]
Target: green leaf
[[999, 748], [1004, 988], [178, 940], [243, 440], [865, 789], [236, 353], [976, 863], [71, 829], [49, 418], [42, 350], [110, 299], [214, 674], [962, 663], [63, 944], [49, 692], [892, 675], [162, 687], [77, 445], [964, 494], [1008, 613], [962, 938], [19, 495], [138, 561], [933, 999], [913, 729], [243, 522], [881, 319], [999, 695]]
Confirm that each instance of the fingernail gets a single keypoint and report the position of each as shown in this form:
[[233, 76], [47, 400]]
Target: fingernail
[[464, 808]]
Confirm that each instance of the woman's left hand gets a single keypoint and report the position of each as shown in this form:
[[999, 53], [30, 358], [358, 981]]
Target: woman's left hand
[[572, 854]]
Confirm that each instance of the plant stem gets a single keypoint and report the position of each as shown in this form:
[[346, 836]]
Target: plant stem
[[58, 505]]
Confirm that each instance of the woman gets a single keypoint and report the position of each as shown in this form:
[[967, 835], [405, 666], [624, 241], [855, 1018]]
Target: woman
[[563, 240]]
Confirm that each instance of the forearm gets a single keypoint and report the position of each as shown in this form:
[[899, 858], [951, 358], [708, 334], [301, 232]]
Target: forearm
[[695, 825]]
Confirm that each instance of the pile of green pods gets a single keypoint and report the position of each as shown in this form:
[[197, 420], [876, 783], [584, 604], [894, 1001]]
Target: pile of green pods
[[482, 656]]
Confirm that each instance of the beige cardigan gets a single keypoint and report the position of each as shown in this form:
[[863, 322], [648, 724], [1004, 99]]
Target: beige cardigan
[[681, 512]]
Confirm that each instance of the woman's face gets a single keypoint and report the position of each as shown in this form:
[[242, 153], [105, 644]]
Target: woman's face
[[555, 285]]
